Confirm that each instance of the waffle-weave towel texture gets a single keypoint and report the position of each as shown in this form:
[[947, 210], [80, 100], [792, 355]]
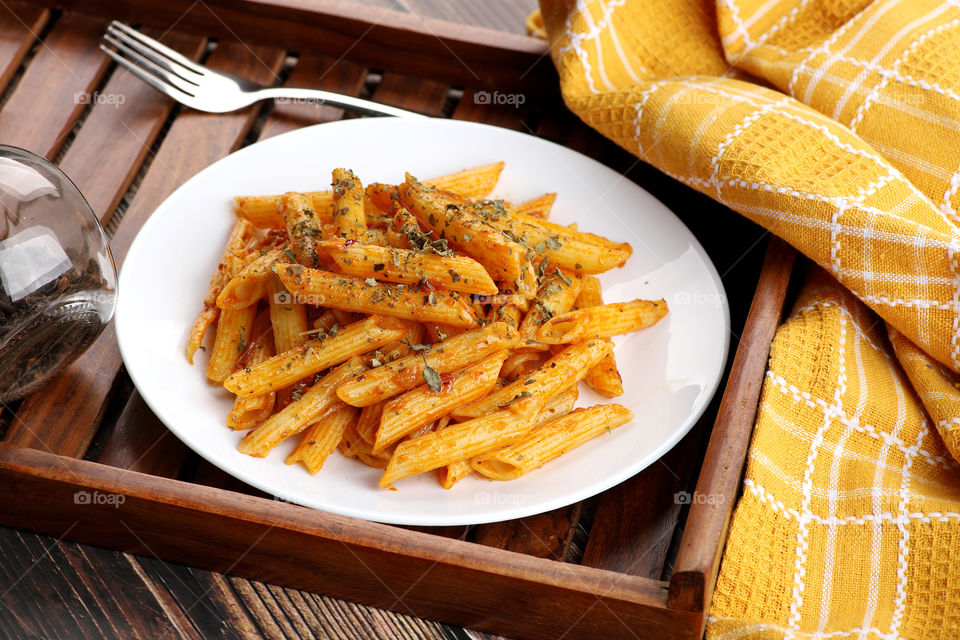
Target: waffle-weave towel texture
[[835, 124]]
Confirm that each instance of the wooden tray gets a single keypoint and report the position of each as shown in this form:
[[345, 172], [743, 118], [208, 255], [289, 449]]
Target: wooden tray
[[634, 561]]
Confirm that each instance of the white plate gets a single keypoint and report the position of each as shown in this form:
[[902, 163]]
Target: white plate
[[670, 371]]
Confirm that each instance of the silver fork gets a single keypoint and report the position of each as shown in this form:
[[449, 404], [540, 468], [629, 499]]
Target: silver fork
[[204, 89]]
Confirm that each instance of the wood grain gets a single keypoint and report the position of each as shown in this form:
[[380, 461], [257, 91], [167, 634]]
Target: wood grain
[[52, 94], [78, 397], [415, 94], [695, 570], [636, 519], [421, 575], [83, 602], [140, 442], [20, 24], [374, 36], [116, 135], [314, 72]]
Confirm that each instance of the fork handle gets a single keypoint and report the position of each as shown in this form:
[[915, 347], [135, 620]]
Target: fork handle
[[359, 105]]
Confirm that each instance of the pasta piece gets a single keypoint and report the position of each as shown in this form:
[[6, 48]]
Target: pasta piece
[[603, 321], [544, 443], [228, 266], [406, 373], [369, 421], [303, 228], [288, 316], [451, 217], [509, 307], [247, 413], [528, 395], [264, 211], [419, 407], [322, 437], [604, 377], [572, 250], [454, 473], [234, 330], [349, 220], [296, 416], [558, 406], [369, 296], [315, 355], [456, 442], [248, 286], [538, 207], [453, 273], [556, 295], [520, 363]]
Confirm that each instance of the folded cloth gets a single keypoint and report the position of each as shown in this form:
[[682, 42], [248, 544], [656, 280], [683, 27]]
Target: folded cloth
[[835, 124]]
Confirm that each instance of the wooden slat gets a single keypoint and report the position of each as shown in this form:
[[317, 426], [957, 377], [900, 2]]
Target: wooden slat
[[52, 93], [415, 94], [422, 575], [119, 132], [140, 442], [475, 109], [20, 24], [82, 602], [635, 520], [383, 38], [314, 72], [695, 571], [74, 403]]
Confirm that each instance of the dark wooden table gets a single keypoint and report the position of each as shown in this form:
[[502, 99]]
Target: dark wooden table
[[52, 588]]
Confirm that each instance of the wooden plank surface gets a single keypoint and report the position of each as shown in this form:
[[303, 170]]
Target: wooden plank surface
[[376, 36], [692, 582], [20, 26], [68, 411], [52, 94], [375, 564], [314, 72]]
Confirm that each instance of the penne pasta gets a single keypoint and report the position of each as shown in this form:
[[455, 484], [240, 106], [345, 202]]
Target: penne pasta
[[548, 441], [565, 247], [288, 317], [349, 220], [528, 395], [419, 407], [322, 437], [415, 327], [556, 295], [251, 411], [403, 266], [234, 330], [444, 357], [314, 356], [369, 296], [602, 321], [230, 264], [538, 207], [604, 377], [369, 421], [558, 406], [315, 402], [303, 229], [248, 286], [456, 442], [451, 217]]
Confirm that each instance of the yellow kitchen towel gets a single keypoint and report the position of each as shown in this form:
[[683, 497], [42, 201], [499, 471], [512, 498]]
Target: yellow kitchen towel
[[835, 124]]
